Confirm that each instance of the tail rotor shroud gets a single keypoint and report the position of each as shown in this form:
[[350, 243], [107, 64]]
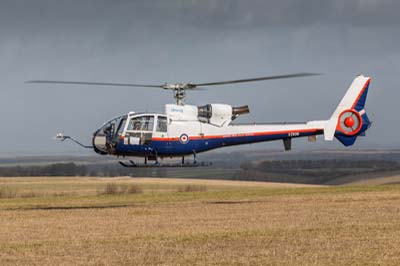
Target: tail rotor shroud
[[350, 122]]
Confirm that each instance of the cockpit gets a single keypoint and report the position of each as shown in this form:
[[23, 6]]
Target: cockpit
[[105, 138], [133, 129]]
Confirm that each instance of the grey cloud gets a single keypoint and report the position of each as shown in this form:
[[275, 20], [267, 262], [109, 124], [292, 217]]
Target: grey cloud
[[199, 41], [67, 15]]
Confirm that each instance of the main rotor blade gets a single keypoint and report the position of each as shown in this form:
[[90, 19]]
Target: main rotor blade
[[92, 83], [173, 86], [296, 75]]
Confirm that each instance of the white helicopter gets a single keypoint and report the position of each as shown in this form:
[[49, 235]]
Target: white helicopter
[[187, 130]]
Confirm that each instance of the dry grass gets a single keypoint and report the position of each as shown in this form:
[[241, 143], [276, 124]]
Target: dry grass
[[7, 192], [226, 225], [11, 193], [192, 188]]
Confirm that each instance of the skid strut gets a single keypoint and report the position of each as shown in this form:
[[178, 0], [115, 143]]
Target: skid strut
[[194, 157], [131, 164]]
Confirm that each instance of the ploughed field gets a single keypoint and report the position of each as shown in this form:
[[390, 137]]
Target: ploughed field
[[125, 221]]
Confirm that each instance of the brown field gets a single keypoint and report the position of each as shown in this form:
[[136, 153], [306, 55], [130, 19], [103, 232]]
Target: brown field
[[389, 179], [67, 221]]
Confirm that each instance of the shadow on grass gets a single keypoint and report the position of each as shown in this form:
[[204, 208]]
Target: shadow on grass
[[51, 208], [222, 202]]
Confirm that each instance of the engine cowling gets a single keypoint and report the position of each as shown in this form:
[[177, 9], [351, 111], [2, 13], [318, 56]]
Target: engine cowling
[[215, 114], [220, 114]]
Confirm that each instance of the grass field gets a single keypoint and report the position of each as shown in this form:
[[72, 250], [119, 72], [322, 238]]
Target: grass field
[[70, 221]]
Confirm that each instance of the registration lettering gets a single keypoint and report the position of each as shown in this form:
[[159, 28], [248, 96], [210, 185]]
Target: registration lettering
[[294, 134]]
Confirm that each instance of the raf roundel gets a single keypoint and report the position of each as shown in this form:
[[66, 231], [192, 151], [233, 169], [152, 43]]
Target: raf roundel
[[184, 139]]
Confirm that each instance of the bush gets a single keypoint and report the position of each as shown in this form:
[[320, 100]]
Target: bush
[[192, 188], [133, 189], [113, 188]]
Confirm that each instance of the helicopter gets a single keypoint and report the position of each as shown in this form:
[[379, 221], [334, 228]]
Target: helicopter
[[186, 130]]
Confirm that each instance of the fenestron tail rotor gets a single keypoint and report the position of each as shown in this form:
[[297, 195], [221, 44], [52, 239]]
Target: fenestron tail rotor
[[178, 88]]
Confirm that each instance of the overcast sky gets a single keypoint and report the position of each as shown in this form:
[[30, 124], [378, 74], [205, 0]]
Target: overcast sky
[[199, 41]]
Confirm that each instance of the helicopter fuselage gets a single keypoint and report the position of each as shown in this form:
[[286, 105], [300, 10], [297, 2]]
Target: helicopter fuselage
[[185, 130], [188, 129]]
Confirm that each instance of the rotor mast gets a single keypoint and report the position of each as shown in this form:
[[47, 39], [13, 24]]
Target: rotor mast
[[179, 96], [179, 91]]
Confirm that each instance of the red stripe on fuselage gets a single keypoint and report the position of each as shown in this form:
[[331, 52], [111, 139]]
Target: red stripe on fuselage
[[251, 134]]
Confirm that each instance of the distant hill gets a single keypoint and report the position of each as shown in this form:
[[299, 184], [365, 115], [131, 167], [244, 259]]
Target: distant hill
[[326, 172], [331, 167]]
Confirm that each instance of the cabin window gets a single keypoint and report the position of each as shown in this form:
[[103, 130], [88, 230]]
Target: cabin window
[[162, 124], [141, 123]]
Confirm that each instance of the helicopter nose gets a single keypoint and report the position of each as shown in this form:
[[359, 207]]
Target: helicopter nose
[[99, 143]]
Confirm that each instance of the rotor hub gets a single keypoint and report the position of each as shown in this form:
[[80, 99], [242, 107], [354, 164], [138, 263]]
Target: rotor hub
[[178, 86]]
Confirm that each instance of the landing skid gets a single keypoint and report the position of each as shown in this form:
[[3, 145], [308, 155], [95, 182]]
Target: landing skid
[[132, 164], [157, 164]]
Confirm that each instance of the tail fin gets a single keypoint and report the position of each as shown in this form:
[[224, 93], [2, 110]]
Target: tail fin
[[350, 119]]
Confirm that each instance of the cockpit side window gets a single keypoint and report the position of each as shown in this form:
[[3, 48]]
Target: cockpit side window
[[121, 126], [161, 124], [112, 126], [141, 123]]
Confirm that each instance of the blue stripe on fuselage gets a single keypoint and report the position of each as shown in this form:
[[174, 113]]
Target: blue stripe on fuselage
[[176, 148]]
